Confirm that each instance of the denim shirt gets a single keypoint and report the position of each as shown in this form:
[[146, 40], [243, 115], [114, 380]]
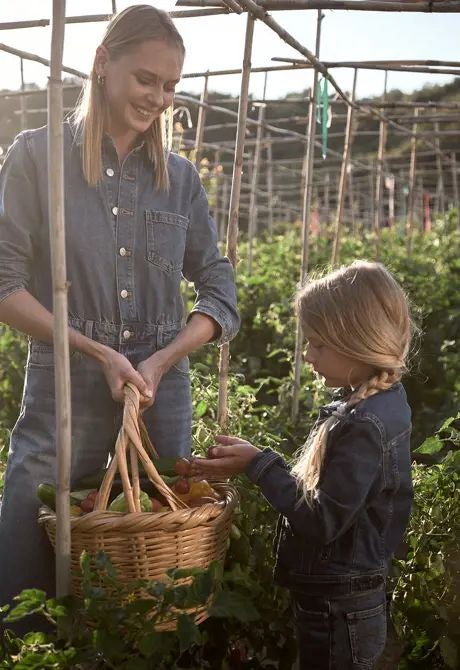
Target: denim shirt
[[127, 243], [360, 510]]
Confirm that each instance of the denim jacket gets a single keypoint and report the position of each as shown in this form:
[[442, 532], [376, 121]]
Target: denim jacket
[[127, 243], [359, 513]]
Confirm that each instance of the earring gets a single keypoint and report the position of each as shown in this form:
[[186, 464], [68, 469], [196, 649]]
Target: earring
[[100, 80]]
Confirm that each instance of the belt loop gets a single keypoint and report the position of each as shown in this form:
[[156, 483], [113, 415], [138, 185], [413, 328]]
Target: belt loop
[[89, 329]]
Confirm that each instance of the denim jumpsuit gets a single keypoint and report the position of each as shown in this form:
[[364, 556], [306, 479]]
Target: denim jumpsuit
[[127, 246], [333, 554]]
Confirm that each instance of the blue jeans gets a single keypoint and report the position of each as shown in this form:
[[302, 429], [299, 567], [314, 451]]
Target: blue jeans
[[26, 557], [340, 632]]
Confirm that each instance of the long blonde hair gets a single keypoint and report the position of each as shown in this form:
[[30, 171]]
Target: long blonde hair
[[125, 30], [359, 311]]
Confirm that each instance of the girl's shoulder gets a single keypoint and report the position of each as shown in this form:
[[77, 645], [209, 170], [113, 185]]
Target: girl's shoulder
[[388, 410]]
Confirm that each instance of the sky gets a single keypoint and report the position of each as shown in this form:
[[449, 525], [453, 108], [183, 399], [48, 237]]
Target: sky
[[217, 43]]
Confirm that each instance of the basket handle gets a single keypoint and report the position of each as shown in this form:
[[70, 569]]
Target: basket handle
[[130, 438]]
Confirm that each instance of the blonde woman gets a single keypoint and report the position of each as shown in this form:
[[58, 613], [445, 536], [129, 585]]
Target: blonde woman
[[136, 221], [345, 503]]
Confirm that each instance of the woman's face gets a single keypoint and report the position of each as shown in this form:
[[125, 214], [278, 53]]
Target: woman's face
[[139, 85]]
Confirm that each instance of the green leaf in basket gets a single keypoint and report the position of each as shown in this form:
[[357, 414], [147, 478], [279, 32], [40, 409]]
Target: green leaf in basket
[[201, 588], [233, 604], [188, 632]]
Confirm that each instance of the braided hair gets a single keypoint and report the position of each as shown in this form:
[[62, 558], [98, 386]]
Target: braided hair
[[359, 311]]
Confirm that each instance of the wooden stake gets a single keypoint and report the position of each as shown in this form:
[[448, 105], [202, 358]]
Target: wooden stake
[[23, 99], [379, 179], [440, 186], [343, 175], [252, 224], [411, 199], [60, 311], [270, 204], [456, 202], [232, 229], [306, 218], [201, 122]]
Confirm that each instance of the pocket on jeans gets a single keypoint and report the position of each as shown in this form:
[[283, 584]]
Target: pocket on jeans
[[367, 631], [42, 356], [166, 235]]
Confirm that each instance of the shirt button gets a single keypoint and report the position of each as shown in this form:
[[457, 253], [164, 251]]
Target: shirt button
[[126, 334], [124, 293], [114, 211], [122, 251], [109, 172]]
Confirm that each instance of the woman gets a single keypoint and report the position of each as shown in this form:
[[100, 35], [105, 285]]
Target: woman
[[136, 220]]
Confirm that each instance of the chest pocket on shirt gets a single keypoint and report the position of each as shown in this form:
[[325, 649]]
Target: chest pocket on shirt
[[166, 236]]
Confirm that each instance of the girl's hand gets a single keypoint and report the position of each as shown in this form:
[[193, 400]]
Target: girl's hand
[[230, 457], [152, 370], [118, 371]]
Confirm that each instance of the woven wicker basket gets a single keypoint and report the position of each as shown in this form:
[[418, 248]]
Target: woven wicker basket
[[144, 545]]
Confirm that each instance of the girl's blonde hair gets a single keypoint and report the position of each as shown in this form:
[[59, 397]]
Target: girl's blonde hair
[[126, 30], [359, 311]]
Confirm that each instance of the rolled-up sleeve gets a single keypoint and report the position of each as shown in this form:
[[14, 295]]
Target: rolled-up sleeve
[[210, 272], [18, 217], [353, 464]]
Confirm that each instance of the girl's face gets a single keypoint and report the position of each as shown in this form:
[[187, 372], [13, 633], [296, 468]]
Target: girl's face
[[139, 85], [336, 369]]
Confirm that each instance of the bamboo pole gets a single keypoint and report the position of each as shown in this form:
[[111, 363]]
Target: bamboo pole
[[60, 285], [428, 6], [38, 59], [306, 218], [232, 229], [269, 147], [201, 122], [252, 224], [456, 202], [392, 66], [343, 175], [440, 185], [22, 99], [411, 199], [379, 178]]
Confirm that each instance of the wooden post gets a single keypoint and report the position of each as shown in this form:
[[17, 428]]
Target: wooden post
[[411, 199], [379, 178], [371, 193], [23, 100], [232, 229], [456, 202], [402, 213], [225, 203], [306, 217], [59, 273], [390, 184], [440, 186], [343, 175], [326, 198], [351, 199], [201, 122], [270, 204], [252, 223]]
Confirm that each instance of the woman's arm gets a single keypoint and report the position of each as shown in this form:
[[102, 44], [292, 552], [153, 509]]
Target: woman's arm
[[23, 312]]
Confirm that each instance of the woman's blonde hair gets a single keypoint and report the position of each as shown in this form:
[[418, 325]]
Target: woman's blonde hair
[[126, 30], [359, 311]]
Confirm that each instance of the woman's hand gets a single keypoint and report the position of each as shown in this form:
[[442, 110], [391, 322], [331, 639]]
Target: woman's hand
[[118, 371], [230, 457], [152, 370]]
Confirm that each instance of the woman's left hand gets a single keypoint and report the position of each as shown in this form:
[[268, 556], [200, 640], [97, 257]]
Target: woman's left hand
[[230, 456], [152, 370]]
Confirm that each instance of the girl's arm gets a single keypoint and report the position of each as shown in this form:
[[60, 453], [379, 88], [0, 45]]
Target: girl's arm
[[353, 466]]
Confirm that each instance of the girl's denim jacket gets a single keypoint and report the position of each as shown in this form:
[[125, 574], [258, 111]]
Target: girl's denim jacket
[[127, 244], [359, 512]]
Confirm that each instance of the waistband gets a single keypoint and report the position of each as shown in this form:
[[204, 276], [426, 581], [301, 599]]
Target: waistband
[[114, 334], [334, 585]]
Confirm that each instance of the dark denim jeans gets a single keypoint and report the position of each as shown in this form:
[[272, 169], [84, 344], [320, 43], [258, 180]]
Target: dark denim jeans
[[340, 632]]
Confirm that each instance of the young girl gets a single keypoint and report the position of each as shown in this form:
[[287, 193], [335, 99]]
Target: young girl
[[345, 503], [136, 220]]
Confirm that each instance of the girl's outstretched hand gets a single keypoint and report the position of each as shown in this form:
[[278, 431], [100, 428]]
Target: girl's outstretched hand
[[229, 457]]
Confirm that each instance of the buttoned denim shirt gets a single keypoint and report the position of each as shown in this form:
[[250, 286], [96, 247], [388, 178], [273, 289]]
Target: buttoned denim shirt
[[361, 507], [128, 244]]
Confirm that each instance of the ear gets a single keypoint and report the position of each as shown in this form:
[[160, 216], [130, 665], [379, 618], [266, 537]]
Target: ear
[[101, 60]]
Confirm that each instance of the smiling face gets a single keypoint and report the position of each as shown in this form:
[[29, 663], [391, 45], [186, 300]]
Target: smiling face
[[336, 369], [138, 85]]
